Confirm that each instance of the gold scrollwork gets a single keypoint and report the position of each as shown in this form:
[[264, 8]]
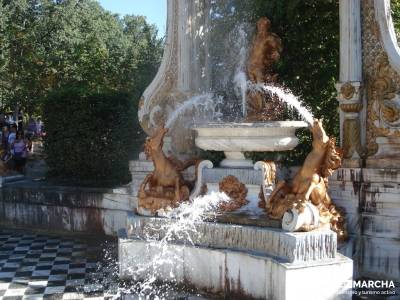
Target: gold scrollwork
[[381, 107], [351, 138], [351, 108]]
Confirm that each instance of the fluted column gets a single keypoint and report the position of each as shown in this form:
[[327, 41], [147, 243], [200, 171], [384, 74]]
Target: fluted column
[[350, 82]]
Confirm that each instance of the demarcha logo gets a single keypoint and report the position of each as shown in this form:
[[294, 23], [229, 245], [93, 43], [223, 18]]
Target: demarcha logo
[[374, 284]]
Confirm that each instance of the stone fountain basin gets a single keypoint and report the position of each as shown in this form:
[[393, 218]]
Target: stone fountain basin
[[236, 138], [262, 136]]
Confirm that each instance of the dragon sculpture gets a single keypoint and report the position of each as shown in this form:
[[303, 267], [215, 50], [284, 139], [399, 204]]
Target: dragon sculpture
[[311, 185], [165, 186]]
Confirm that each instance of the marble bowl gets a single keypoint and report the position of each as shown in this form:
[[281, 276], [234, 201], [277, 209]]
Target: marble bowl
[[236, 138]]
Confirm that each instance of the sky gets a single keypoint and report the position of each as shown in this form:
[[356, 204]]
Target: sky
[[154, 10]]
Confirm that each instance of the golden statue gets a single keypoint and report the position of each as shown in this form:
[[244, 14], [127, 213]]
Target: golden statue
[[264, 53], [311, 185], [165, 186], [235, 190]]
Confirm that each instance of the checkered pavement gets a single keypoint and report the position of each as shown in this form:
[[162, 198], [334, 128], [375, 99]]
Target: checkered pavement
[[34, 266]]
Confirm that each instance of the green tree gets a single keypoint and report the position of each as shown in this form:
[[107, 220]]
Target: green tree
[[49, 44], [395, 5], [309, 63]]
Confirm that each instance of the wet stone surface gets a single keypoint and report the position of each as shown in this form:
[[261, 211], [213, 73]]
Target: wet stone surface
[[38, 266]]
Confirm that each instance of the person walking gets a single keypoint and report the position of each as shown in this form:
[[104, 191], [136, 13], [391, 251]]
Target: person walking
[[19, 151]]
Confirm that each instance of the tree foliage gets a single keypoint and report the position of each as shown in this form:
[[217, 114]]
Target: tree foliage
[[84, 69], [395, 5], [309, 63], [48, 44]]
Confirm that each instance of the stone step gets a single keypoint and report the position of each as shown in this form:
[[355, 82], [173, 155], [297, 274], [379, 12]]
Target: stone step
[[381, 204], [347, 174], [380, 226], [367, 175], [124, 190], [380, 257], [10, 178], [119, 202], [236, 272], [388, 187], [288, 246]]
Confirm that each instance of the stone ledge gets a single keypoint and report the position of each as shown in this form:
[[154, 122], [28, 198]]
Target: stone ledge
[[235, 273], [246, 176], [380, 257], [381, 226], [367, 175], [40, 205], [286, 246], [10, 178]]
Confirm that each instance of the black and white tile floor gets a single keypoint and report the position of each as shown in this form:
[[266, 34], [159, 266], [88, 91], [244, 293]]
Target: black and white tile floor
[[35, 266]]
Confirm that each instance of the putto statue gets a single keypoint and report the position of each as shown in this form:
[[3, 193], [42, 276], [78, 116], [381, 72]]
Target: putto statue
[[309, 189], [165, 187], [264, 53]]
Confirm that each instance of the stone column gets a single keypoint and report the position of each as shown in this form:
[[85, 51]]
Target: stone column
[[350, 82], [183, 73]]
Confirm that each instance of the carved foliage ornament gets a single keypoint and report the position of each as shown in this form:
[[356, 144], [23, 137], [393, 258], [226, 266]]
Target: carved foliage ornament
[[236, 190], [383, 105], [383, 82]]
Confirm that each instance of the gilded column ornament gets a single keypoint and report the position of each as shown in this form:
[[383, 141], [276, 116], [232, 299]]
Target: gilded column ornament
[[349, 87], [349, 97], [347, 90], [382, 87]]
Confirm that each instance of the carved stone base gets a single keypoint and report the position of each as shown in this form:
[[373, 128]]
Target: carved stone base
[[387, 163], [241, 261], [352, 163], [387, 155], [236, 160]]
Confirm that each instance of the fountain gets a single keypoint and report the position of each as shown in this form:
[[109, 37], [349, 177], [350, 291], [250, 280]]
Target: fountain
[[236, 222]]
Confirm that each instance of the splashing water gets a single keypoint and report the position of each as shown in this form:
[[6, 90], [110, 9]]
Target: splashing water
[[287, 97], [240, 78], [204, 101], [165, 261]]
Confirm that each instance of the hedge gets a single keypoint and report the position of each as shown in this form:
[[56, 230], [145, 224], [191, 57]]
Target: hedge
[[89, 135]]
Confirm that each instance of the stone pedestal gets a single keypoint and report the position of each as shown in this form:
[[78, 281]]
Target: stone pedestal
[[240, 261]]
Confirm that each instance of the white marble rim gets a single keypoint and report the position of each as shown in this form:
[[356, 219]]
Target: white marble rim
[[249, 125]]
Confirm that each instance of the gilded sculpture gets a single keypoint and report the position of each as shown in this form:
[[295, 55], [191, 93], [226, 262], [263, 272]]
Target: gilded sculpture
[[165, 187], [310, 185], [264, 53], [236, 191]]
